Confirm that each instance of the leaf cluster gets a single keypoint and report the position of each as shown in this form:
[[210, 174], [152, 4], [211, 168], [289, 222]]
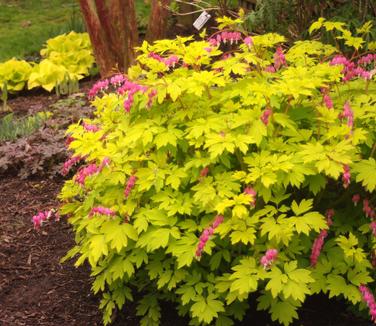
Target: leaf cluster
[[66, 59]]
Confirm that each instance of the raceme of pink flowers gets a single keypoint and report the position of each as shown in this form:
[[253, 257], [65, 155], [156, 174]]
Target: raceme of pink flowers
[[117, 80], [369, 299], [248, 41], [270, 69], [329, 216], [99, 86], [224, 37], [123, 86], [252, 192], [130, 89], [317, 246], [367, 59], [348, 114], [326, 98], [368, 210], [328, 101], [90, 127], [279, 59], [103, 85], [350, 70], [69, 163], [42, 217], [319, 241], [151, 95], [171, 61], [346, 177], [100, 210], [265, 116], [206, 234], [268, 259], [90, 170], [85, 172], [130, 184]]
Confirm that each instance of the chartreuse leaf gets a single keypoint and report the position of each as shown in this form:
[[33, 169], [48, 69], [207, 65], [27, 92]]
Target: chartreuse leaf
[[309, 221], [348, 246], [156, 238], [293, 283], [304, 206], [278, 229], [150, 310], [206, 309], [98, 247], [188, 293], [245, 276], [338, 286], [316, 25], [224, 321], [284, 312], [184, 249], [107, 305], [117, 234], [366, 173]]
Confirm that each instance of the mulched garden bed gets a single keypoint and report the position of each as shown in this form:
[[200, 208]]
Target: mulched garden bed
[[35, 289]]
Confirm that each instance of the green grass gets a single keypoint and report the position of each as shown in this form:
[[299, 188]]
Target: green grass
[[12, 128], [25, 25]]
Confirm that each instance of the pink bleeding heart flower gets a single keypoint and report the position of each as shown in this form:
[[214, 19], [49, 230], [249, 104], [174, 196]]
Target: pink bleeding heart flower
[[100, 210], [355, 199], [130, 184], [369, 299], [346, 177], [265, 116], [206, 234], [317, 247], [268, 259], [42, 217], [252, 192], [248, 41], [279, 59], [69, 163]]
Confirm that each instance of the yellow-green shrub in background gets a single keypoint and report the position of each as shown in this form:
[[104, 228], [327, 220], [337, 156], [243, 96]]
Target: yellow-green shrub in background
[[72, 51], [66, 59], [14, 74], [47, 75]]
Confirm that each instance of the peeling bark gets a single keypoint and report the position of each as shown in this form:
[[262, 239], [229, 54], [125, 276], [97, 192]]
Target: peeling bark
[[112, 28], [158, 20]]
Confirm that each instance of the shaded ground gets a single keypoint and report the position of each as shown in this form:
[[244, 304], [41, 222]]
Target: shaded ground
[[35, 289]]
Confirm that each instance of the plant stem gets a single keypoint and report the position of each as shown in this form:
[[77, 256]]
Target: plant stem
[[373, 150]]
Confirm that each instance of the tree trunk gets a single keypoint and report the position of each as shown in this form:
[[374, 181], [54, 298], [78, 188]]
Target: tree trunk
[[186, 21], [112, 28], [158, 20]]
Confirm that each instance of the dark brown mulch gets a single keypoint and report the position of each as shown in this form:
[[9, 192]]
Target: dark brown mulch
[[35, 288], [37, 100]]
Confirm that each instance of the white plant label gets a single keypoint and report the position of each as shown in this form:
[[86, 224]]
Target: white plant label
[[201, 20]]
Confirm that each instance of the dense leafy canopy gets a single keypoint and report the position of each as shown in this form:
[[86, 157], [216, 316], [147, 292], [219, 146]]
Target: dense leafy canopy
[[200, 129]]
